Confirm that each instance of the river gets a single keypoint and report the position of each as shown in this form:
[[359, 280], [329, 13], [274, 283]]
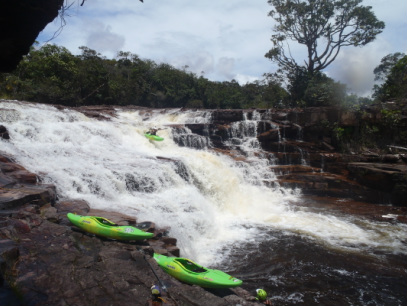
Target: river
[[303, 250]]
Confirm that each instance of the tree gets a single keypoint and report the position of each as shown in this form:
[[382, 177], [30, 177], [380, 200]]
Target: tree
[[395, 85], [323, 26], [314, 90], [48, 75], [93, 78], [386, 64], [272, 93], [324, 91]]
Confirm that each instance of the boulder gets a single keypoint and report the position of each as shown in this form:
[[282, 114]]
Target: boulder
[[227, 115], [11, 198], [389, 179], [4, 132]]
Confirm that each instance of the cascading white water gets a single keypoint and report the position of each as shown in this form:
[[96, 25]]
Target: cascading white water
[[208, 200], [243, 136], [185, 137]]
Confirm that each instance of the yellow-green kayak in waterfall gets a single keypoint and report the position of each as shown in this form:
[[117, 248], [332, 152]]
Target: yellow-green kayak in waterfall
[[153, 137]]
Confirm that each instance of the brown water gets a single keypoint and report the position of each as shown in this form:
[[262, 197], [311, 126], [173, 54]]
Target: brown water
[[295, 270]]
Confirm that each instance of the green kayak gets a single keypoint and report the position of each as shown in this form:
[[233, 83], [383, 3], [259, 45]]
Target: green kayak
[[189, 272], [106, 228], [153, 137]]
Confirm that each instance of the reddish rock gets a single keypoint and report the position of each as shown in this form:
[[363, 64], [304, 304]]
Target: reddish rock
[[169, 240], [227, 115], [270, 135], [74, 206], [24, 176], [8, 166], [11, 198], [20, 226], [391, 179]]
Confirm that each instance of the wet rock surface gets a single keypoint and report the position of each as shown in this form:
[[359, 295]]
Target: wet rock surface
[[44, 260]]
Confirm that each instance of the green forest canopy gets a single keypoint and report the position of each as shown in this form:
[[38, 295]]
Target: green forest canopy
[[51, 74]]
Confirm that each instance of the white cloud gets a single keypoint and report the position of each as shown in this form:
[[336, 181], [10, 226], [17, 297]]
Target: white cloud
[[355, 70], [225, 67], [105, 41], [244, 79], [201, 63]]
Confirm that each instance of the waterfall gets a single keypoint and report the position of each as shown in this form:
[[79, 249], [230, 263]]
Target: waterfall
[[184, 137], [303, 155], [208, 200]]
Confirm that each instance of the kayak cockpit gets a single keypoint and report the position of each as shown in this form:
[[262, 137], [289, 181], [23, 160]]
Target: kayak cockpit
[[104, 221], [190, 265]]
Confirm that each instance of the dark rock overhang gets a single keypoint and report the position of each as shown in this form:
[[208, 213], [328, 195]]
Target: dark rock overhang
[[20, 23]]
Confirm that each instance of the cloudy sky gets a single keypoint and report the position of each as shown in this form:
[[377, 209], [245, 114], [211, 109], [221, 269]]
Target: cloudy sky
[[221, 39]]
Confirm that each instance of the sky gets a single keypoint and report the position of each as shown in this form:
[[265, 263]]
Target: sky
[[221, 40]]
